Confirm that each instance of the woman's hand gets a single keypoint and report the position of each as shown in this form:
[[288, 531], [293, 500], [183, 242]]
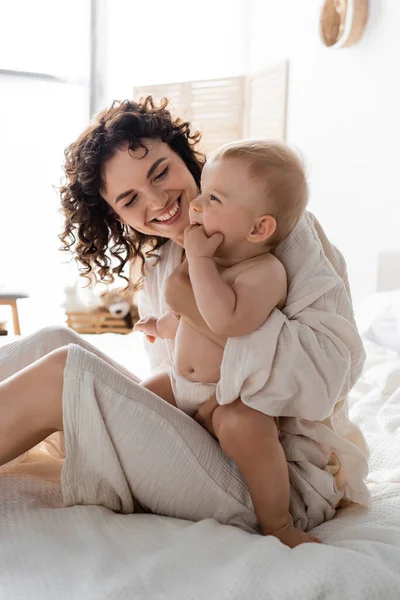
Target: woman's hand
[[198, 244], [178, 291], [178, 294], [205, 413]]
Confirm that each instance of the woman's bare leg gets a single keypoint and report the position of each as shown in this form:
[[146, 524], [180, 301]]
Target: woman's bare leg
[[21, 353], [31, 405], [25, 351]]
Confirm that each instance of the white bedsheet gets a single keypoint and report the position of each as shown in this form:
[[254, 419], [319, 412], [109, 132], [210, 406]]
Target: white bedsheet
[[145, 556]]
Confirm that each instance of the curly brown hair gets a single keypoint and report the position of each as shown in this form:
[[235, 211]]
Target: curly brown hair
[[91, 230]]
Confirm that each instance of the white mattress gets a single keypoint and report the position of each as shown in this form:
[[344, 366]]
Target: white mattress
[[44, 557]]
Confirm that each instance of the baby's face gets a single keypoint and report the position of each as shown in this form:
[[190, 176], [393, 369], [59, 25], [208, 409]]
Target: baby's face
[[229, 201]]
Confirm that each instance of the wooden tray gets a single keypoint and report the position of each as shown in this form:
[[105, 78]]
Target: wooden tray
[[97, 322]]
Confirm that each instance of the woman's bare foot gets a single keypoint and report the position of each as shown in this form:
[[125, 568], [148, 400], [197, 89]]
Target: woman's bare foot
[[292, 537]]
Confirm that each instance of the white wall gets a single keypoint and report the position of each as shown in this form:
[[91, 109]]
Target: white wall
[[179, 40], [344, 116]]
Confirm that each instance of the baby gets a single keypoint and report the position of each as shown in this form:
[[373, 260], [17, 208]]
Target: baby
[[252, 196]]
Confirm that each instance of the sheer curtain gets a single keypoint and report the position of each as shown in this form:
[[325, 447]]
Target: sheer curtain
[[44, 100]]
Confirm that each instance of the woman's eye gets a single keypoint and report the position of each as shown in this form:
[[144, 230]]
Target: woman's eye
[[131, 201], [162, 174]]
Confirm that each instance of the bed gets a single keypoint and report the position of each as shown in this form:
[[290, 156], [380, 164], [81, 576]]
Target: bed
[[147, 556]]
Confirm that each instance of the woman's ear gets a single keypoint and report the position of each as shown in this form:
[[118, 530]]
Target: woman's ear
[[263, 228]]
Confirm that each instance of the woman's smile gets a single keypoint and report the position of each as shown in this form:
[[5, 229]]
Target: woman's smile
[[171, 214]]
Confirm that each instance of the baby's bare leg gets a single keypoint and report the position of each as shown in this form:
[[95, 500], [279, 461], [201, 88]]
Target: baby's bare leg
[[160, 384], [250, 438]]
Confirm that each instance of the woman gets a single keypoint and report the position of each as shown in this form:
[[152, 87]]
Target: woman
[[130, 178]]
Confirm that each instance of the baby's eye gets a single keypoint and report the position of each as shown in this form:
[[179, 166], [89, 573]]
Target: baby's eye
[[214, 198]]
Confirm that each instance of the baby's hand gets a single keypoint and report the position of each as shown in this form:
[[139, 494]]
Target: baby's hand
[[198, 245], [148, 326]]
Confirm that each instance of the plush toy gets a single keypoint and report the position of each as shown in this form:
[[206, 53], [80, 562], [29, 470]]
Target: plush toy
[[79, 299], [120, 304]]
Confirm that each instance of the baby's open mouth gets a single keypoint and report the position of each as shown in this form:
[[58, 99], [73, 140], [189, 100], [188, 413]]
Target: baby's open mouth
[[172, 214]]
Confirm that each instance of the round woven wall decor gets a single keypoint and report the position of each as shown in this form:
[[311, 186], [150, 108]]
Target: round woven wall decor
[[343, 22]]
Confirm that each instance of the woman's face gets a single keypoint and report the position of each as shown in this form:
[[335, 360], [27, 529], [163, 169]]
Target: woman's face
[[150, 192]]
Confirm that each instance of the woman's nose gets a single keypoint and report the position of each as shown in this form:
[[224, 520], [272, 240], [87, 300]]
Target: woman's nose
[[157, 199]]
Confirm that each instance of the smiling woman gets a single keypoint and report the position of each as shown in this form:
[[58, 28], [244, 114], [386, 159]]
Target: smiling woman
[[156, 184], [138, 172], [120, 438]]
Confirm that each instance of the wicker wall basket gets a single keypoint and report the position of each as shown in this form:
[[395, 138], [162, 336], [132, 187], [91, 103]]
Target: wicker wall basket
[[343, 22]]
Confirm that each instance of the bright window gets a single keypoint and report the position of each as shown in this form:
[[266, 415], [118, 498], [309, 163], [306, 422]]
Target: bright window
[[44, 100]]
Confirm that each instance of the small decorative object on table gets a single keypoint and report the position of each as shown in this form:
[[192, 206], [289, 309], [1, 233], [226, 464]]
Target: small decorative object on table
[[113, 311]]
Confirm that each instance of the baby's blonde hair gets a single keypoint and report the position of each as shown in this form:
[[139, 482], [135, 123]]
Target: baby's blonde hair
[[282, 173]]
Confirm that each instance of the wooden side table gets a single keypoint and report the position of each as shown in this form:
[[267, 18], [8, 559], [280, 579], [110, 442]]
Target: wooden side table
[[10, 299]]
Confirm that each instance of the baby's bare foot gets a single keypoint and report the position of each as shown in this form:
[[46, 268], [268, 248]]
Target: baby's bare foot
[[292, 537]]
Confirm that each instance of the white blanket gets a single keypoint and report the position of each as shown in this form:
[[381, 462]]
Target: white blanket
[[92, 553]]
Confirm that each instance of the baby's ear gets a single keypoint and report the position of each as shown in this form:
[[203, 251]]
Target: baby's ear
[[263, 228]]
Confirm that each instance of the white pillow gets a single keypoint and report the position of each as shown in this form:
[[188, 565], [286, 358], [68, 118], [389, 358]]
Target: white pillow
[[378, 319]]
